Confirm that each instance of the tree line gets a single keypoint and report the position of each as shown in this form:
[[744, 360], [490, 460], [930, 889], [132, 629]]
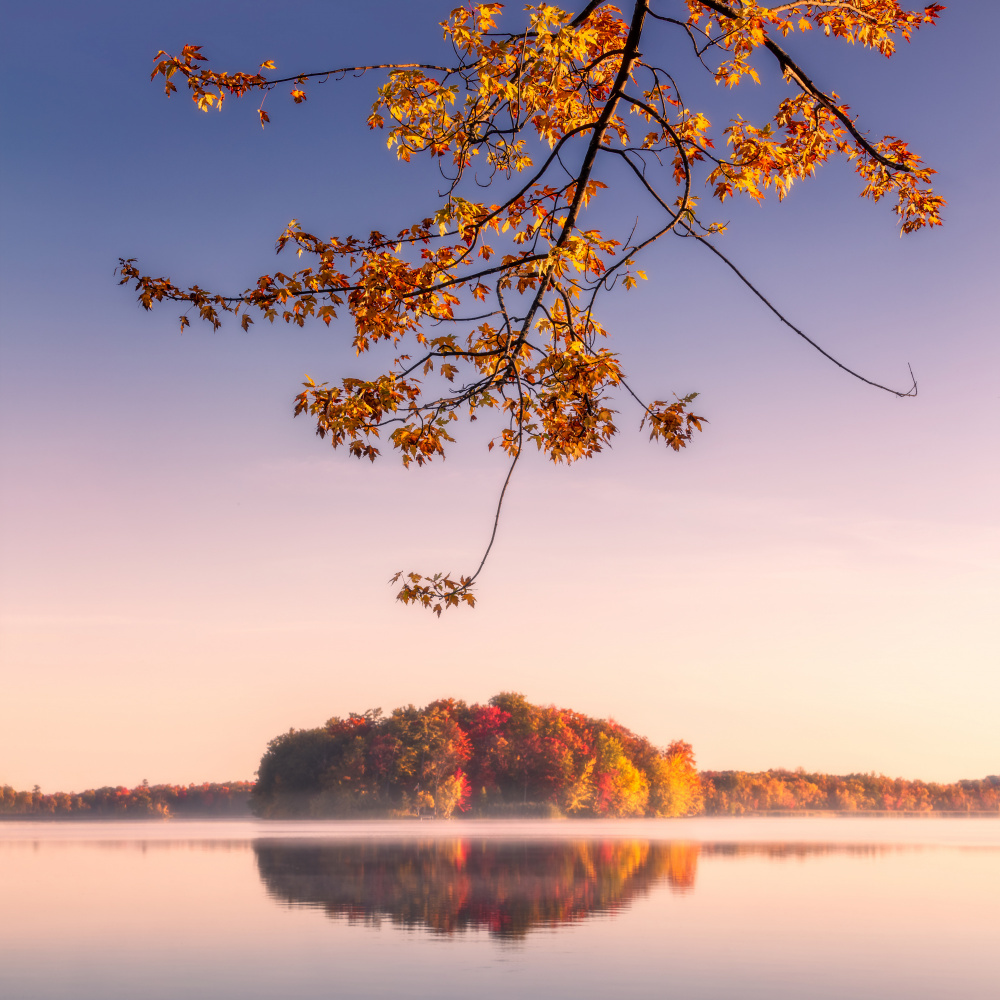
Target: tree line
[[736, 793], [507, 757], [145, 801]]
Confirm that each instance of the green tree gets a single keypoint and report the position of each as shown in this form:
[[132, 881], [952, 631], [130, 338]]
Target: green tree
[[432, 747], [291, 771]]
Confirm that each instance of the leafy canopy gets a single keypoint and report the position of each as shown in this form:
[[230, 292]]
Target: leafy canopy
[[490, 305]]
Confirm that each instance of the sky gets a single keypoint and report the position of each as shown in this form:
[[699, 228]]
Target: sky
[[187, 571]]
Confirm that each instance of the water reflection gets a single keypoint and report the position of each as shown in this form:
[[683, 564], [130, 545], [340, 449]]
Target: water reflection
[[788, 851], [85, 913], [507, 888]]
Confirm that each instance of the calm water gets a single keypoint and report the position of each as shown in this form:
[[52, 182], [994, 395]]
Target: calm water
[[705, 908]]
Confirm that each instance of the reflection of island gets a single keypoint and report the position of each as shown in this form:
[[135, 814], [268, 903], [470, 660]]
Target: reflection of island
[[508, 888]]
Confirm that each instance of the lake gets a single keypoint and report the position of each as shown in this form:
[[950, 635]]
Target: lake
[[702, 908]]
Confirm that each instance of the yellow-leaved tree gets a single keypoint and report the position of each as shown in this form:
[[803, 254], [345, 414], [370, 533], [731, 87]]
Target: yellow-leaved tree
[[491, 305]]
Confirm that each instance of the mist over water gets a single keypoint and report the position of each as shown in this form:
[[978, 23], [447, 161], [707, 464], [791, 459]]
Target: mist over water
[[707, 908]]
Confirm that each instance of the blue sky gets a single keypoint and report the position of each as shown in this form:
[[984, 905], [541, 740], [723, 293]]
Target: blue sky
[[188, 571]]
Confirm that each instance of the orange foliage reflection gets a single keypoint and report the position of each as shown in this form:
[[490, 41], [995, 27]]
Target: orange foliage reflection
[[505, 887]]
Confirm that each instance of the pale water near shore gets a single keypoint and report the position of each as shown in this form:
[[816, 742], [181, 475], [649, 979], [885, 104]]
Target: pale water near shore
[[702, 908]]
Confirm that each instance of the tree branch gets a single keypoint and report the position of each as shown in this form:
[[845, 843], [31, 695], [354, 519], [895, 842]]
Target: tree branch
[[793, 71], [912, 391]]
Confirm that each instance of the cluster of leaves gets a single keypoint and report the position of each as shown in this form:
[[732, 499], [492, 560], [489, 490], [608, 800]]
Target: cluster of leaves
[[451, 886], [448, 756], [740, 792], [490, 305], [145, 801]]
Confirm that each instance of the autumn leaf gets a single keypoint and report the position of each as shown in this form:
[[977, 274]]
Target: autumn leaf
[[489, 306]]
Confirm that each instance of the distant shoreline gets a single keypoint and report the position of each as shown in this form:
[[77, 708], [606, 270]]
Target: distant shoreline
[[765, 814], [315, 795]]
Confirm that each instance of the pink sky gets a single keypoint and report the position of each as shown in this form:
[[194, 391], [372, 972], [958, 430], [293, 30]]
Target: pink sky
[[187, 571]]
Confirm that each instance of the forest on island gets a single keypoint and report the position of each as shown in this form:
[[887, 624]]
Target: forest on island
[[507, 757], [510, 757]]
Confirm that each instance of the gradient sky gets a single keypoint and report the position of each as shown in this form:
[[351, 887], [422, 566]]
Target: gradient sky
[[188, 571]]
